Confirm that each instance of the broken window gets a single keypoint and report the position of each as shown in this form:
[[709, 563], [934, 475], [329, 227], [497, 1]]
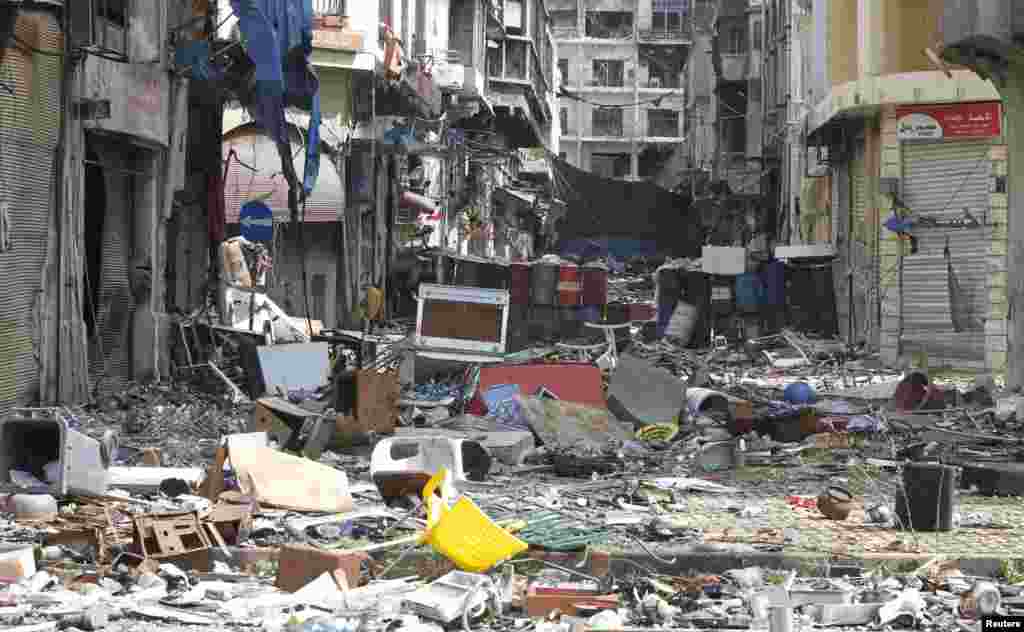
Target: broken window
[[607, 122], [735, 41], [610, 24], [662, 74], [515, 58], [667, 22], [563, 69], [514, 21], [757, 34], [609, 73], [610, 165], [663, 123], [563, 120], [563, 24]]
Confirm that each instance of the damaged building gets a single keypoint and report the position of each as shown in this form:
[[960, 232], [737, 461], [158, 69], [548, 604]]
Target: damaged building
[[915, 154], [621, 70], [93, 136]]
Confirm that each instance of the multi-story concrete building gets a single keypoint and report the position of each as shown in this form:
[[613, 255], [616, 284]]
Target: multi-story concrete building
[[622, 93], [907, 140]]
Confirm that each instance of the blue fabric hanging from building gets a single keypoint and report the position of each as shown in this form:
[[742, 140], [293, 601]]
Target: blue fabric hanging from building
[[279, 39]]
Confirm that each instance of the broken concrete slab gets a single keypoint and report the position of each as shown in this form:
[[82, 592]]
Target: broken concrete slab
[[642, 394]]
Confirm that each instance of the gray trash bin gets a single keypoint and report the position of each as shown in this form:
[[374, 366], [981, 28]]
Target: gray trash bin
[[30, 438]]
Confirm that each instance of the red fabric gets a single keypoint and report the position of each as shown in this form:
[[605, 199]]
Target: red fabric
[[215, 207], [806, 502]]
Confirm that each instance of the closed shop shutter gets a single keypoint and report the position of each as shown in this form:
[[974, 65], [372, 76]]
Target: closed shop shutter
[[29, 123], [940, 180], [862, 251]]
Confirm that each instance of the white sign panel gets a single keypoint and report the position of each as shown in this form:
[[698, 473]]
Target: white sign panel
[[138, 96], [918, 126]]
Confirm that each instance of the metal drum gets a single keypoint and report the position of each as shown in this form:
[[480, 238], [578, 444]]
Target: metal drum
[[495, 275], [544, 283], [519, 283], [595, 284], [469, 271], [569, 284]]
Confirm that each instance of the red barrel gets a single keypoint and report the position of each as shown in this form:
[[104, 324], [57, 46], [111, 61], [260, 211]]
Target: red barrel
[[519, 284], [569, 284], [595, 284]]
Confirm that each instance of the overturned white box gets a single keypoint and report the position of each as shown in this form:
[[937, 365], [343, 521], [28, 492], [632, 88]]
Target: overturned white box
[[724, 260]]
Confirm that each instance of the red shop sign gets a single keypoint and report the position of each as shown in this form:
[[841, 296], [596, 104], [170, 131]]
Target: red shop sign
[[955, 120]]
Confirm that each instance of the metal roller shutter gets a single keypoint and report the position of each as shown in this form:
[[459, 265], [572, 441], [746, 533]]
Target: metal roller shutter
[[862, 251], [940, 180], [29, 126]]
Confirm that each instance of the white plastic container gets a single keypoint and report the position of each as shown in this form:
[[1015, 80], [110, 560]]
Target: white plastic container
[[398, 458], [724, 260]]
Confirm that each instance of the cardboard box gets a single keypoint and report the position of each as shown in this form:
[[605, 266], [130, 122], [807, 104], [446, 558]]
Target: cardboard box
[[724, 260], [376, 407], [298, 565]]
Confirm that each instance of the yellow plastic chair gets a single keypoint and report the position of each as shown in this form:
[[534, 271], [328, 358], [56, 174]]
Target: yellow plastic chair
[[464, 534]]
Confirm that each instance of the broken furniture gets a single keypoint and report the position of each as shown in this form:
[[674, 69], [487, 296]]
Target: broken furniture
[[401, 466], [244, 306], [608, 360], [366, 400], [171, 535], [461, 323], [294, 428], [35, 442]]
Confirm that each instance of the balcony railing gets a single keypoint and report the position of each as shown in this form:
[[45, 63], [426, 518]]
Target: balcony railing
[[656, 83], [664, 35], [565, 32], [607, 128]]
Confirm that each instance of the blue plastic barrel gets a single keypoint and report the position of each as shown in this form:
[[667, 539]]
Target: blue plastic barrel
[[750, 293]]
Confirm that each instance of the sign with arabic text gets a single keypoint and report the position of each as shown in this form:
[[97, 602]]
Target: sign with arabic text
[[956, 120]]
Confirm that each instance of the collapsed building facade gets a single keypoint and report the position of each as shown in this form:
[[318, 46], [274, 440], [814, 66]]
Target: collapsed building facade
[[93, 145]]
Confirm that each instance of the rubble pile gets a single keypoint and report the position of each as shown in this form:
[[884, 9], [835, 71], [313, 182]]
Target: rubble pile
[[618, 485]]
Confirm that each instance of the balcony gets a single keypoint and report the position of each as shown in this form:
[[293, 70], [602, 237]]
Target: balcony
[[565, 32], [663, 83], [665, 36], [515, 61]]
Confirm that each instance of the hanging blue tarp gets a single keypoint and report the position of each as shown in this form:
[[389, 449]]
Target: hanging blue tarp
[[279, 39]]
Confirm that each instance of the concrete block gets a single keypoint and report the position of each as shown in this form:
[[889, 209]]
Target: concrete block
[[298, 565]]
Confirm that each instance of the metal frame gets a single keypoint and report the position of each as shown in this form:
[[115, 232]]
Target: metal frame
[[460, 294]]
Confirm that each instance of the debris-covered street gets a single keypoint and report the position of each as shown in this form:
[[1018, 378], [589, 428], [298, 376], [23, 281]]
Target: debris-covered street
[[511, 315]]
